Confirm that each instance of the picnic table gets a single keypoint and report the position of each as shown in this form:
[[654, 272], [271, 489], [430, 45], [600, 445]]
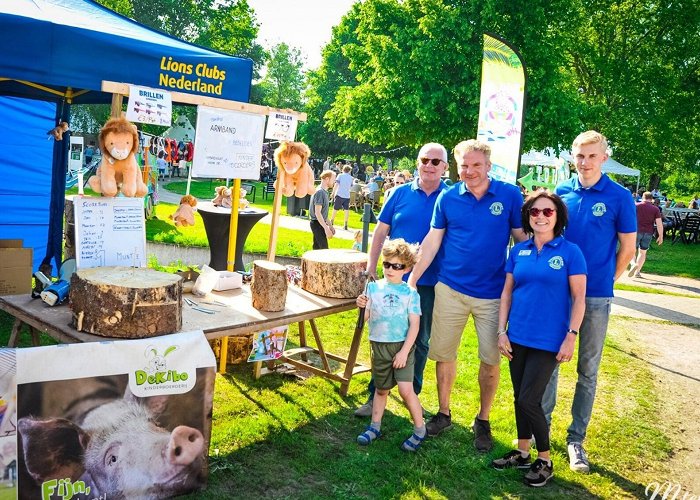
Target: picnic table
[[236, 317]]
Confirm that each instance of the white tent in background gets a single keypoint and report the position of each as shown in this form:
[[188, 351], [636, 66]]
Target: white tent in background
[[610, 167], [182, 130], [546, 158]]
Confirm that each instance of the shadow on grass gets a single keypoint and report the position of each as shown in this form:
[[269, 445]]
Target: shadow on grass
[[313, 454]]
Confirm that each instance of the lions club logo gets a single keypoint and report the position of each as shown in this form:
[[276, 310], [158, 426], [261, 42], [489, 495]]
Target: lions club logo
[[598, 209], [556, 262], [496, 208]]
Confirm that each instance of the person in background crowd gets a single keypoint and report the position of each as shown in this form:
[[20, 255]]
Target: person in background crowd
[[341, 195], [89, 153], [544, 269], [406, 214], [372, 191], [320, 227], [648, 217], [357, 245], [472, 223], [695, 202], [601, 217]]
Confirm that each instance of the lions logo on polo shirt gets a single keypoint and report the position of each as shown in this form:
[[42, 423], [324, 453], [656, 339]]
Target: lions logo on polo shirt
[[556, 262], [599, 209], [496, 208]]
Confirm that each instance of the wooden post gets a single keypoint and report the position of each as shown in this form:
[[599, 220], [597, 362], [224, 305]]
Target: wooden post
[[276, 208], [117, 105]]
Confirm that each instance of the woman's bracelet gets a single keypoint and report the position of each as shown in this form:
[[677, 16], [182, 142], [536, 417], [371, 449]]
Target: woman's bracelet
[[502, 332]]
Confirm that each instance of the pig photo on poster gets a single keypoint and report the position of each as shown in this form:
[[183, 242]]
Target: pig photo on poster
[[92, 438]]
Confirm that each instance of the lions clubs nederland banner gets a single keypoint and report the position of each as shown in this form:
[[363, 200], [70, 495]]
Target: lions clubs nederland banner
[[501, 106], [229, 144]]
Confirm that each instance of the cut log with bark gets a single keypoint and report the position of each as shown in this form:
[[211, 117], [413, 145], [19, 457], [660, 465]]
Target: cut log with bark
[[269, 286], [126, 302], [337, 273]]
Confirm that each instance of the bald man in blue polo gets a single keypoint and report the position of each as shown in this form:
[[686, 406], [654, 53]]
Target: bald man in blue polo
[[472, 224]]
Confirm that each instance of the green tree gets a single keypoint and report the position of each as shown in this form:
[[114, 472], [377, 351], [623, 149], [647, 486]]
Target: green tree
[[283, 84]]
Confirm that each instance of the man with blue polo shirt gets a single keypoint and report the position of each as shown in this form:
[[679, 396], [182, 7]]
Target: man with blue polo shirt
[[406, 214], [472, 225], [601, 215]]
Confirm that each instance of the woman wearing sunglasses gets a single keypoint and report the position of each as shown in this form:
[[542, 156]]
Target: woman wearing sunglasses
[[542, 303]]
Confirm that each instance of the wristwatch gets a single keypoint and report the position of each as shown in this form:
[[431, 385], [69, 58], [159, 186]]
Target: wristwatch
[[571, 330]]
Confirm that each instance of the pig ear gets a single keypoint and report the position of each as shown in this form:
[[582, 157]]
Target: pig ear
[[156, 405], [53, 448]]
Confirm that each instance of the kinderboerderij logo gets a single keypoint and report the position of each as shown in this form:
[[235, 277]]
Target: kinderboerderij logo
[[156, 370], [496, 208]]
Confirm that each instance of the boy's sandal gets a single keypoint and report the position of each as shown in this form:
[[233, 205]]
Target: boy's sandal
[[413, 443], [368, 436]]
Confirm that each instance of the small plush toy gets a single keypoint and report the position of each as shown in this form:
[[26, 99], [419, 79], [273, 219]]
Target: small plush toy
[[294, 173], [184, 215], [57, 131], [223, 197], [242, 202], [119, 142]]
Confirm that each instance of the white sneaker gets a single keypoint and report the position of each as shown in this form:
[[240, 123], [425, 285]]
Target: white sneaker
[[578, 461]]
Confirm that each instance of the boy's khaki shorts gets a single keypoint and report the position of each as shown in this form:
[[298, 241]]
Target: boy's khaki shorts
[[383, 371], [450, 315]]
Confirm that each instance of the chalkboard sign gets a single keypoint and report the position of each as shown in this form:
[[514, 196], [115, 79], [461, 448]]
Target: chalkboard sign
[[109, 232]]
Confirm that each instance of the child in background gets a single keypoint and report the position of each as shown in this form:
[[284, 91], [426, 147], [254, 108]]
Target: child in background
[[358, 241], [392, 310]]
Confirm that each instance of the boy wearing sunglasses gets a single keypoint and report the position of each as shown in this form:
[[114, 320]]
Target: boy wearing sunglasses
[[392, 310]]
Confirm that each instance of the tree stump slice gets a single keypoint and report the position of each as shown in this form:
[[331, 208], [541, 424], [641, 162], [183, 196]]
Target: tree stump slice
[[337, 273], [126, 302], [269, 286]]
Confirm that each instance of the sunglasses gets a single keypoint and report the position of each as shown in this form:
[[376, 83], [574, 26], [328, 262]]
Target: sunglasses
[[394, 265], [547, 212], [434, 161]]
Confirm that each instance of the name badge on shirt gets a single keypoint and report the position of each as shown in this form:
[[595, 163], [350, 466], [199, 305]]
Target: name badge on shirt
[[524, 252]]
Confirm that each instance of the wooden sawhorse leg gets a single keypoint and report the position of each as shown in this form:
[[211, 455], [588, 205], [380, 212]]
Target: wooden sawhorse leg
[[17, 328]]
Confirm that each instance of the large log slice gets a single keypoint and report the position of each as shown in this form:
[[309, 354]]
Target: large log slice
[[337, 273], [126, 302], [269, 286]]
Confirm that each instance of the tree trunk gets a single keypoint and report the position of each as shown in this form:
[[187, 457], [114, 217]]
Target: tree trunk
[[126, 302], [269, 286], [335, 273]]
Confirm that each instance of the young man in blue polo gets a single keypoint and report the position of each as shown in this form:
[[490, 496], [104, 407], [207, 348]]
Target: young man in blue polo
[[472, 224], [406, 214], [601, 215]]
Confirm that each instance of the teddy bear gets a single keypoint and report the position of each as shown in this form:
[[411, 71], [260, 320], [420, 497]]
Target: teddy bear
[[294, 176], [57, 131], [242, 202], [184, 215], [119, 142], [223, 197]]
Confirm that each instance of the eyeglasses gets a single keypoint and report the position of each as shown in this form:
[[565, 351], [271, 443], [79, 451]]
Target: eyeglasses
[[434, 161], [394, 265], [398, 183], [547, 212]]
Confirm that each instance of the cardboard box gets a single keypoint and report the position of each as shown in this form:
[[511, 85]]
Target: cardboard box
[[15, 268], [228, 280]]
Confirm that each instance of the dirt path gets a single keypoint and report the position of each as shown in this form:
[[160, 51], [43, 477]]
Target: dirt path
[[673, 354]]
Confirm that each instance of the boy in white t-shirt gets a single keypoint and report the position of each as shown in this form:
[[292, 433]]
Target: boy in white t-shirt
[[392, 310]]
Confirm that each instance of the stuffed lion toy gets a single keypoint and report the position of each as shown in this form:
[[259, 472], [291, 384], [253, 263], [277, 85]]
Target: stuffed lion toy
[[294, 175], [119, 142], [184, 215]]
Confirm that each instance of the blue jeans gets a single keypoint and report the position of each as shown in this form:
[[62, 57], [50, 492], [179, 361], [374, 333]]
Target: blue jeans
[[427, 301], [590, 350]]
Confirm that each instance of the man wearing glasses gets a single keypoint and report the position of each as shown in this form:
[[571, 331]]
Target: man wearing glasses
[[406, 214], [601, 215], [472, 224]]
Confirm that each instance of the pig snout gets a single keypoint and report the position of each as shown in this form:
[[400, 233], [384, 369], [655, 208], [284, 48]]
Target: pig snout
[[185, 445]]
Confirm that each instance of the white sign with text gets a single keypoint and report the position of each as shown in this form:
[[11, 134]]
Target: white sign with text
[[146, 105], [281, 127], [229, 144]]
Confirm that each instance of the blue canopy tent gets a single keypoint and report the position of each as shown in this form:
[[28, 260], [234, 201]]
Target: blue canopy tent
[[57, 53]]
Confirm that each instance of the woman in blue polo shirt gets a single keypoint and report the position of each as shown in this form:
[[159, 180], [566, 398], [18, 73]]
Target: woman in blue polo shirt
[[542, 303]]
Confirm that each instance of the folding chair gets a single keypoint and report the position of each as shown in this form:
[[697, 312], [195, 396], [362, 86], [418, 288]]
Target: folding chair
[[689, 230], [354, 200], [269, 188]]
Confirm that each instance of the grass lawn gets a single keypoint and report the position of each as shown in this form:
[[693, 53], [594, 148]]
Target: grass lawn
[[279, 437], [673, 260]]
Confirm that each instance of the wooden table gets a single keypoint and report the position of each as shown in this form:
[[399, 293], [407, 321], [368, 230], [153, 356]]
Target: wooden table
[[237, 318]]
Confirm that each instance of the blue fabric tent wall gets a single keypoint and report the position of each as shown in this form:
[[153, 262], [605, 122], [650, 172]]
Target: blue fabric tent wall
[[62, 50], [25, 189]]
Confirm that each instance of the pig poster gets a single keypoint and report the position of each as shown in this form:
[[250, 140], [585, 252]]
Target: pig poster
[[114, 420]]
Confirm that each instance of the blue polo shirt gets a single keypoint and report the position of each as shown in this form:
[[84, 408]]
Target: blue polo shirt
[[408, 211], [596, 215], [541, 306], [476, 237]]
